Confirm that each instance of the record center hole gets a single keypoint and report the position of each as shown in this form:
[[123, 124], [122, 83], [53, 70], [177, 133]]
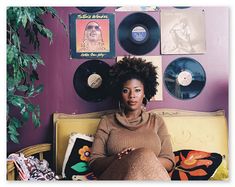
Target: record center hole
[[94, 80], [184, 78]]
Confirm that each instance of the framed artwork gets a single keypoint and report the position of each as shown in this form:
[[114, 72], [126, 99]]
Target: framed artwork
[[183, 31], [92, 35], [157, 62]]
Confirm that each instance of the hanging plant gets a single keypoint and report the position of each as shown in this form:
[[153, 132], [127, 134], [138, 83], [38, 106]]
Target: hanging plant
[[22, 67]]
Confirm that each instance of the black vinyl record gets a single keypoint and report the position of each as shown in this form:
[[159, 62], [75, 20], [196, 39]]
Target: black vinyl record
[[184, 78], [138, 33], [91, 80], [90, 9]]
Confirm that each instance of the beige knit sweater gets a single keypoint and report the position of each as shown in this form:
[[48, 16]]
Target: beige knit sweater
[[115, 133]]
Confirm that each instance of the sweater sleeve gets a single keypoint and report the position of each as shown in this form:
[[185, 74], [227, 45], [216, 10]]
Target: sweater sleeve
[[166, 147], [99, 160]]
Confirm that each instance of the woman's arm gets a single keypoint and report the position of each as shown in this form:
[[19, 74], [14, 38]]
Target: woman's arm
[[166, 156], [99, 160], [168, 164]]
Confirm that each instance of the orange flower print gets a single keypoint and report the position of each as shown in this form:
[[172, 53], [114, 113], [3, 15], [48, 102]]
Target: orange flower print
[[195, 158], [85, 153]]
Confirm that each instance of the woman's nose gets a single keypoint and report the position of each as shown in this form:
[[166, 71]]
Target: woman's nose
[[132, 94]]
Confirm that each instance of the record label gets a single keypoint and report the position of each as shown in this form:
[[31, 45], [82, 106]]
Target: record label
[[91, 80], [184, 78], [94, 80], [138, 33]]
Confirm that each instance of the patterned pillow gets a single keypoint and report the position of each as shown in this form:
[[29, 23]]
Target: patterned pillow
[[195, 165], [75, 165]]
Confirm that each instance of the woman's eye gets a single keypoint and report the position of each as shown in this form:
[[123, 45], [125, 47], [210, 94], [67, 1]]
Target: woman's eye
[[124, 91], [138, 90]]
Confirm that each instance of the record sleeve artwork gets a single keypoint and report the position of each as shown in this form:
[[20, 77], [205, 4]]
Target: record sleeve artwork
[[183, 31], [91, 80], [157, 62], [138, 33], [92, 35], [184, 78]]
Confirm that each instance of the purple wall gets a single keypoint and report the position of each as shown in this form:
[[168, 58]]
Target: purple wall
[[57, 75]]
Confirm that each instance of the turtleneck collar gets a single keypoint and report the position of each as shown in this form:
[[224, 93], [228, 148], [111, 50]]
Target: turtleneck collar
[[133, 123]]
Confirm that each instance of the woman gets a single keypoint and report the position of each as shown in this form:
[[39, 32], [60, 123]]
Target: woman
[[132, 144], [93, 40]]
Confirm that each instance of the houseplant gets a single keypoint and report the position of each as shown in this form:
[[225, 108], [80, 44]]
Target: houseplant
[[22, 75]]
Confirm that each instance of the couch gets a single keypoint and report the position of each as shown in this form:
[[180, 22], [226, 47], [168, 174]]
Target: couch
[[189, 130]]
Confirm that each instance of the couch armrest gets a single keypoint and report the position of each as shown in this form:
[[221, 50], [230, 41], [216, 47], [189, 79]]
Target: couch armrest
[[28, 151]]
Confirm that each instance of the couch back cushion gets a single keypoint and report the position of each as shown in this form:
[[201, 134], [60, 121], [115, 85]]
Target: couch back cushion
[[205, 131], [62, 131]]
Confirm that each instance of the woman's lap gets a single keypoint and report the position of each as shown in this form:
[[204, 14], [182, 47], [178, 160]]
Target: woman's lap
[[140, 164]]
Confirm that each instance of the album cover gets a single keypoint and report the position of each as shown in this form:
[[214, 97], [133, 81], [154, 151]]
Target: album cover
[[157, 62], [136, 8], [183, 31], [92, 35]]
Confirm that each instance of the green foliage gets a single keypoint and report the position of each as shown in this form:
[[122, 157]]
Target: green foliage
[[22, 66]]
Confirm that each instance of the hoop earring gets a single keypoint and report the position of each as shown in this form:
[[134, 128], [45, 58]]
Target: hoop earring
[[120, 106], [145, 101]]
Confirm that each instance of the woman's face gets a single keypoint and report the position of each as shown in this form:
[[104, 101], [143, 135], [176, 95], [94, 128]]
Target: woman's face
[[132, 94], [93, 31]]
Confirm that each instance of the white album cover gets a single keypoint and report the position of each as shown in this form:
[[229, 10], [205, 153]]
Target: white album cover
[[183, 31], [136, 8], [157, 62]]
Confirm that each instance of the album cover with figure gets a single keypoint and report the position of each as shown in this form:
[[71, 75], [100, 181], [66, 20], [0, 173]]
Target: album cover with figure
[[92, 35], [157, 62], [183, 31]]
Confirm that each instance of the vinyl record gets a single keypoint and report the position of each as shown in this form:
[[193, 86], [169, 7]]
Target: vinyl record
[[90, 9], [91, 80], [184, 78], [138, 33]]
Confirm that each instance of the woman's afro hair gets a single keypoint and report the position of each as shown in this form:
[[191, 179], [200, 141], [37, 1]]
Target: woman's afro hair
[[133, 68]]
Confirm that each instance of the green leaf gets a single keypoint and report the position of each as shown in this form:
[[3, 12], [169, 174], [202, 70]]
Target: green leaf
[[10, 54], [25, 62], [38, 59], [18, 76], [17, 101], [39, 88], [14, 122], [80, 167], [34, 64], [30, 90], [14, 138], [12, 128], [30, 107], [10, 84], [16, 40], [35, 120], [13, 132], [24, 20], [22, 88], [25, 116], [37, 110], [23, 110]]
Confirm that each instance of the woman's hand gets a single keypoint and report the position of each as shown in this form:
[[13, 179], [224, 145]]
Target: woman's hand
[[125, 152]]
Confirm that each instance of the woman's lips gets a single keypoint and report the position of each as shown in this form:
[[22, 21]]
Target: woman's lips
[[132, 102]]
